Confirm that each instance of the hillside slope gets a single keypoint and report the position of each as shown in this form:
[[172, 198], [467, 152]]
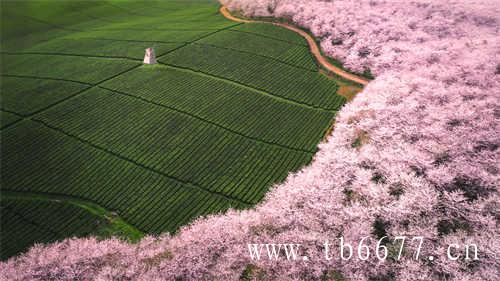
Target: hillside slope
[[415, 154], [226, 113]]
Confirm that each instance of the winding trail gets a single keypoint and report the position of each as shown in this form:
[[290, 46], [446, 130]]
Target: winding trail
[[315, 50]]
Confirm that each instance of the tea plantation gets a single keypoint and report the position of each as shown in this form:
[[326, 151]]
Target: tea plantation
[[229, 111]]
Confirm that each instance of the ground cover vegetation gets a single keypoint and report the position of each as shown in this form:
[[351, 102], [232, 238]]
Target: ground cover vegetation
[[157, 146]]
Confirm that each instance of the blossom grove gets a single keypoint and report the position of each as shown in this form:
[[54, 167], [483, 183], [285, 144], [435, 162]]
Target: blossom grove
[[415, 154]]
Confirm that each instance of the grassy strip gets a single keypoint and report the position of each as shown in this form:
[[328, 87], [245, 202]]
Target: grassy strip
[[116, 227]]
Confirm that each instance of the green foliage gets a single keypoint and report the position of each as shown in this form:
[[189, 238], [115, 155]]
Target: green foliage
[[332, 275], [356, 143], [36, 158], [294, 54], [7, 118], [175, 144], [239, 109], [361, 138], [24, 222], [271, 31], [367, 73], [21, 18], [279, 79], [147, 35], [101, 47], [157, 145], [75, 68], [28, 95], [252, 272]]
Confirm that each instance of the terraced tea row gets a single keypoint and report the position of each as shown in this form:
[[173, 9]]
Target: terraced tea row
[[100, 47], [233, 109], [73, 68], [153, 36], [279, 79], [197, 17], [166, 140], [39, 159], [243, 110], [297, 55], [184, 15], [26, 96], [7, 118], [272, 32], [26, 23], [82, 15], [24, 222]]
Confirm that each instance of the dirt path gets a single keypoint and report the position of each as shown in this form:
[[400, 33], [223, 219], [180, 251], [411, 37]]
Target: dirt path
[[312, 45]]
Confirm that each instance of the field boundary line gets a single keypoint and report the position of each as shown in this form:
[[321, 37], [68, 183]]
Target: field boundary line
[[123, 9], [26, 220], [89, 56], [19, 116], [81, 92], [255, 54], [44, 78], [68, 55], [86, 204], [117, 155], [102, 81], [313, 46], [207, 121], [90, 86], [124, 40], [12, 112], [149, 29], [53, 25], [240, 84], [200, 38], [269, 37]]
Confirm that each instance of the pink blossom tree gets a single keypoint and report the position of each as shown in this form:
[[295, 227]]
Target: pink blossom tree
[[416, 154]]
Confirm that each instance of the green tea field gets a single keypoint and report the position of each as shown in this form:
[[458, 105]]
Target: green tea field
[[229, 110]]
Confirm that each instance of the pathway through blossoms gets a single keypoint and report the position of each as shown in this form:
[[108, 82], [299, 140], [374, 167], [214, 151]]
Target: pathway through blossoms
[[414, 154], [312, 45]]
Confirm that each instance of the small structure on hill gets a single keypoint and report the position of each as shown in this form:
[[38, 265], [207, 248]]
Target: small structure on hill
[[149, 57]]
